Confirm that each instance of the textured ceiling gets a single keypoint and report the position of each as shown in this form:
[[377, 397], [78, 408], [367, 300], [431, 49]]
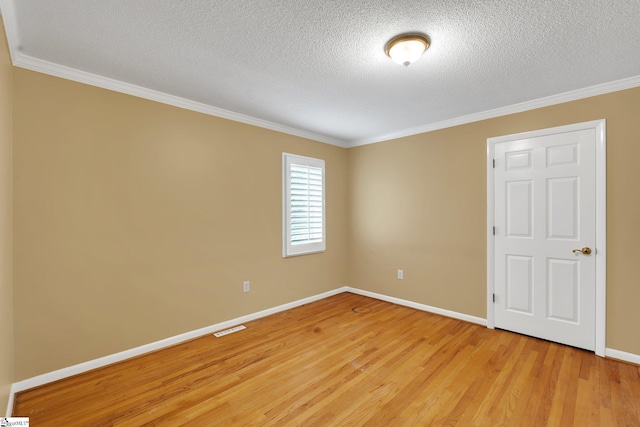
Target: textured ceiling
[[319, 66]]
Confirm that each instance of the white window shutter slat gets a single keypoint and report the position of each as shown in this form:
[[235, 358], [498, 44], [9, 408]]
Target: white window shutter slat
[[304, 210]]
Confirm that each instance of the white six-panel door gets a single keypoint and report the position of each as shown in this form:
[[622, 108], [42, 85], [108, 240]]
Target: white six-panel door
[[544, 215]]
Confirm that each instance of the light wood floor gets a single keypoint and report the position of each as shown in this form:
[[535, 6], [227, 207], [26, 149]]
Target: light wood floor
[[349, 360]]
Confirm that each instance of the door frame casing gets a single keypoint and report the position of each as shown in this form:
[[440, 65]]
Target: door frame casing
[[601, 221]]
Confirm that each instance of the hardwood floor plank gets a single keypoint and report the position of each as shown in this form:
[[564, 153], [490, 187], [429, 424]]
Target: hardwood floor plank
[[549, 395], [348, 360], [624, 396], [571, 380], [588, 414]]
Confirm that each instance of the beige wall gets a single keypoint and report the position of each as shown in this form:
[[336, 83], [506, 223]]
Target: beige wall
[[6, 285], [419, 204], [136, 221]]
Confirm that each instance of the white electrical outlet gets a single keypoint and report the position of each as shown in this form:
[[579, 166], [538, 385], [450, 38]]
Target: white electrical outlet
[[245, 286], [400, 274]]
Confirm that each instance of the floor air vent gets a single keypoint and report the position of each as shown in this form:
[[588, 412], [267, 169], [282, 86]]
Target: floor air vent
[[229, 331]]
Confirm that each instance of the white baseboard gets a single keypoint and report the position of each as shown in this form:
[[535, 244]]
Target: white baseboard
[[422, 307], [12, 393], [609, 352], [127, 354], [622, 355], [137, 351]]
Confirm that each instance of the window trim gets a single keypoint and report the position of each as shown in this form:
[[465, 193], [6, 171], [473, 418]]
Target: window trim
[[289, 250]]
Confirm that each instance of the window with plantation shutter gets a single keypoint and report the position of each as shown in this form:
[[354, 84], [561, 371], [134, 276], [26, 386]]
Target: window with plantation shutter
[[303, 198]]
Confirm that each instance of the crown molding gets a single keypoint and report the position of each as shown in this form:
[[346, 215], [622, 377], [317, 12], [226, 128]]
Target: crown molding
[[561, 98], [46, 67], [19, 59], [8, 14]]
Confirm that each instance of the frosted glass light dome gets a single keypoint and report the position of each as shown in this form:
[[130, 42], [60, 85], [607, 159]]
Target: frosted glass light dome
[[407, 49]]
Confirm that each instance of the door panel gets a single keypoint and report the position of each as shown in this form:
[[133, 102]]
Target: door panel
[[520, 209], [562, 208], [544, 209], [520, 284], [563, 290]]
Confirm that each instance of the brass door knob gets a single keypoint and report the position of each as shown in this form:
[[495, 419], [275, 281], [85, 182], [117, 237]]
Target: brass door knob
[[583, 251]]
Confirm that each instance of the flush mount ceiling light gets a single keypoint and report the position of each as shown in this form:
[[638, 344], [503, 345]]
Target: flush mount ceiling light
[[407, 48]]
